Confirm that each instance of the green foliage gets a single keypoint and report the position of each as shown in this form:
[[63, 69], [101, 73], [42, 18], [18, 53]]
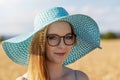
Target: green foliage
[[2, 38], [109, 35]]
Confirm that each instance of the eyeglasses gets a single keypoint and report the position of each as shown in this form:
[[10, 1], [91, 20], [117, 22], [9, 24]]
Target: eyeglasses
[[54, 39]]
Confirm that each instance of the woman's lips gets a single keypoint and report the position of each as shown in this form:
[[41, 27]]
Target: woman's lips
[[60, 54]]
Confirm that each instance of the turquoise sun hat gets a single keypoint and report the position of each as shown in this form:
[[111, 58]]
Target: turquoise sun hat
[[86, 30]]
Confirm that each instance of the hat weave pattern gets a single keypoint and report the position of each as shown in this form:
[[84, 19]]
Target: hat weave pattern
[[85, 28]]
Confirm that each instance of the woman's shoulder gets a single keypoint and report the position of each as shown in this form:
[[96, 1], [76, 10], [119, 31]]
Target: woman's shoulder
[[21, 78], [82, 75]]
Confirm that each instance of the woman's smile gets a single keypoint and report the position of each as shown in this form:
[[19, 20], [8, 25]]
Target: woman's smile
[[60, 53]]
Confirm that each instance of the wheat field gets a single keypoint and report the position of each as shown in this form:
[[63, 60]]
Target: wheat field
[[100, 64]]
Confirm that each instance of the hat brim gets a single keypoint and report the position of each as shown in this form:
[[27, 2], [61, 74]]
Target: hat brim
[[86, 30]]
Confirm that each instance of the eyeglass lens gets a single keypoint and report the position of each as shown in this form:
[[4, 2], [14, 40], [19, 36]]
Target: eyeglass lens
[[54, 39]]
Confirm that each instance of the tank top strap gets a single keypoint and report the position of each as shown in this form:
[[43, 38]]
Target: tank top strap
[[75, 73]]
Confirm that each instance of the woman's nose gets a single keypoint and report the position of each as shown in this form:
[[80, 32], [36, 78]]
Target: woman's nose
[[62, 43]]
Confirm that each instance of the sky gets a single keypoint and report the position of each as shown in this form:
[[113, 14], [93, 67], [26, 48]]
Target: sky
[[17, 16]]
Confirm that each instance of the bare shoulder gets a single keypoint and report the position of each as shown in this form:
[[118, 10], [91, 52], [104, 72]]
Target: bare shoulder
[[20, 78], [82, 75], [23, 77]]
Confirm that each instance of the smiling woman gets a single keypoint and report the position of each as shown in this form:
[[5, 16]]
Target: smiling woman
[[57, 40]]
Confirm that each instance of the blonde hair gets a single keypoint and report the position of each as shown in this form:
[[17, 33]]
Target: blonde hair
[[37, 67]]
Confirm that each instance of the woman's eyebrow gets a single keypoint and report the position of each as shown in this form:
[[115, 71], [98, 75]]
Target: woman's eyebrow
[[58, 34]]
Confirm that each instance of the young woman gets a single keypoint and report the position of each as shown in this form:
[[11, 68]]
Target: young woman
[[57, 40]]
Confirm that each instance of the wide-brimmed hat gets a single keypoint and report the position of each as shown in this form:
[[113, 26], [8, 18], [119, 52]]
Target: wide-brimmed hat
[[86, 30]]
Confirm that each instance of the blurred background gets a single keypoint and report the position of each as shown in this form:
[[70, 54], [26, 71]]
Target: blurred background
[[17, 17]]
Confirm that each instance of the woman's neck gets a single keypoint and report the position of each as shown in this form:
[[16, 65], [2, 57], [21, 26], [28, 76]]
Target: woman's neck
[[55, 70]]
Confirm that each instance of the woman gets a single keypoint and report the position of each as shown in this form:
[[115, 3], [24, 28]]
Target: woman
[[58, 39]]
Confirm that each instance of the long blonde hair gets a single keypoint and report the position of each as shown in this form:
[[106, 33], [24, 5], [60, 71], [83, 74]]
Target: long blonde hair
[[37, 67]]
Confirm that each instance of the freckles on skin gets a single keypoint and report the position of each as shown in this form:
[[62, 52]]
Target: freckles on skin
[[61, 29]]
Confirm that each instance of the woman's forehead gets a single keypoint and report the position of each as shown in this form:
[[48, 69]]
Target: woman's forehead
[[59, 27]]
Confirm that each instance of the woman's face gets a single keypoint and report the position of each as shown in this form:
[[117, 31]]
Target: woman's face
[[56, 49]]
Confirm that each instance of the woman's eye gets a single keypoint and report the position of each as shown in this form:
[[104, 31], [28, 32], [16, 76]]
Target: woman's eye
[[52, 37], [69, 37]]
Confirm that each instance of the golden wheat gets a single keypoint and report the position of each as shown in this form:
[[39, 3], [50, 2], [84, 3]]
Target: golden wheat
[[98, 65]]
